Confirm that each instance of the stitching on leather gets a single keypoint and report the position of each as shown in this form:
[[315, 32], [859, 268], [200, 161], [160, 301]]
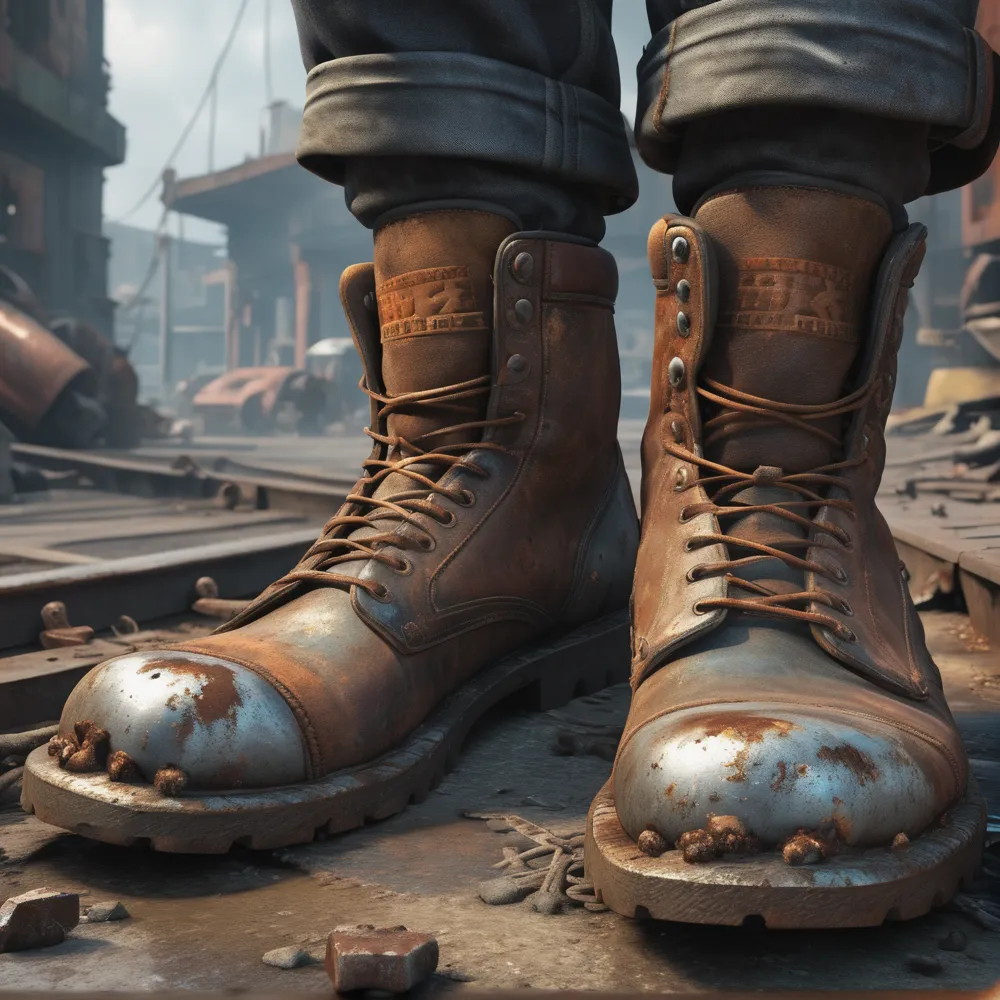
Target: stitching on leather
[[661, 103]]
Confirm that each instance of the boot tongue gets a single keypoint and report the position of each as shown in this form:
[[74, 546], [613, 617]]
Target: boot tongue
[[796, 267], [433, 274]]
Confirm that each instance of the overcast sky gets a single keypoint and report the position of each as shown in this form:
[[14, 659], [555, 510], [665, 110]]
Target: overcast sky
[[161, 54]]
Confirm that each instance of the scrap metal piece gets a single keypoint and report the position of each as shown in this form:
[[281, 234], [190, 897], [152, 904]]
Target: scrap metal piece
[[393, 959], [37, 367]]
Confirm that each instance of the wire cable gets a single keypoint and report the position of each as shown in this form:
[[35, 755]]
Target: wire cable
[[179, 145]]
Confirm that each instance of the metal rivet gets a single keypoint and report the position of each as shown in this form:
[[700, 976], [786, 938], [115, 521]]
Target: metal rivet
[[677, 430], [517, 363], [675, 372], [683, 289], [369, 301], [683, 324], [523, 310], [681, 478], [522, 266], [680, 249]]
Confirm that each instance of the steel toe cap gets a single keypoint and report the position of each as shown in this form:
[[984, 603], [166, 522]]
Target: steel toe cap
[[219, 722], [779, 768]]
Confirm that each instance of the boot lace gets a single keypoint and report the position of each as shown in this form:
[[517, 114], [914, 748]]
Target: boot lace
[[408, 458], [736, 410]]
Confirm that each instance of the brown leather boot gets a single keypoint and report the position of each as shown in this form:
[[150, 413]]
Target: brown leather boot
[[789, 753], [495, 512]]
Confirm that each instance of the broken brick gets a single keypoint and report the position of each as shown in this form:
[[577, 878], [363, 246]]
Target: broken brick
[[393, 959], [37, 919]]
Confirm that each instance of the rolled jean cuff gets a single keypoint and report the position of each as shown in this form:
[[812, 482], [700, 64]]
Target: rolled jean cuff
[[909, 60], [445, 104]]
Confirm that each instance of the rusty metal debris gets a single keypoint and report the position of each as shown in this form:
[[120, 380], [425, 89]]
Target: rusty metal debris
[[540, 866], [803, 850], [37, 919], [392, 959], [58, 632], [211, 605]]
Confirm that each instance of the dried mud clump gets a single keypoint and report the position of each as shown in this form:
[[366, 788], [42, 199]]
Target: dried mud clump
[[122, 768], [899, 843], [803, 850], [85, 750], [722, 835], [170, 781], [652, 843], [810, 847], [63, 747]]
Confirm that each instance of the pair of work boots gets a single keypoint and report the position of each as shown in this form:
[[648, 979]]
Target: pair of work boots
[[788, 754]]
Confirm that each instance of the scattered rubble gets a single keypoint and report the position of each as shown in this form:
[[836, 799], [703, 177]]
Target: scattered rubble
[[290, 957], [122, 768], [37, 919], [653, 843], [926, 965], [721, 835], [170, 781], [105, 912], [393, 959], [954, 941]]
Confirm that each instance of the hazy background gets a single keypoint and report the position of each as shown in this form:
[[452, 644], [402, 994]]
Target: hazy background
[[161, 54]]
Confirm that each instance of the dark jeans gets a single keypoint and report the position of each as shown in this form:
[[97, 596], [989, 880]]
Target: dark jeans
[[514, 104]]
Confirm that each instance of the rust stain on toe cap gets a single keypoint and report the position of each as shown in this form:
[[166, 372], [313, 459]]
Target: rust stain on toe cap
[[857, 761], [748, 728], [217, 700]]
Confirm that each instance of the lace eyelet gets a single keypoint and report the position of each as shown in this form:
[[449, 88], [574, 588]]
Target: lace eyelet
[[682, 517], [698, 609], [380, 592], [846, 609], [692, 575], [840, 575], [681, 479], [448, 519], [846, 634], [689, 545], [425, 543], [464, 498], [403, 568]]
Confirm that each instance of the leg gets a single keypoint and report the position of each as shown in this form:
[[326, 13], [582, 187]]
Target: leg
[[785, 704], [494, 514]]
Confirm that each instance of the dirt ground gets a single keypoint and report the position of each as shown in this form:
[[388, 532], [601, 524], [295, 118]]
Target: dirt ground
[[204, 923]]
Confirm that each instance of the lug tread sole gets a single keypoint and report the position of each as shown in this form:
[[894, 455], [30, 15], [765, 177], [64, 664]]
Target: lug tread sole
[[581, 662], [862, 888]]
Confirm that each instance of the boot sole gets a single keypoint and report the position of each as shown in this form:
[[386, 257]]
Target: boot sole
[[854, 889], [551, 674]]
